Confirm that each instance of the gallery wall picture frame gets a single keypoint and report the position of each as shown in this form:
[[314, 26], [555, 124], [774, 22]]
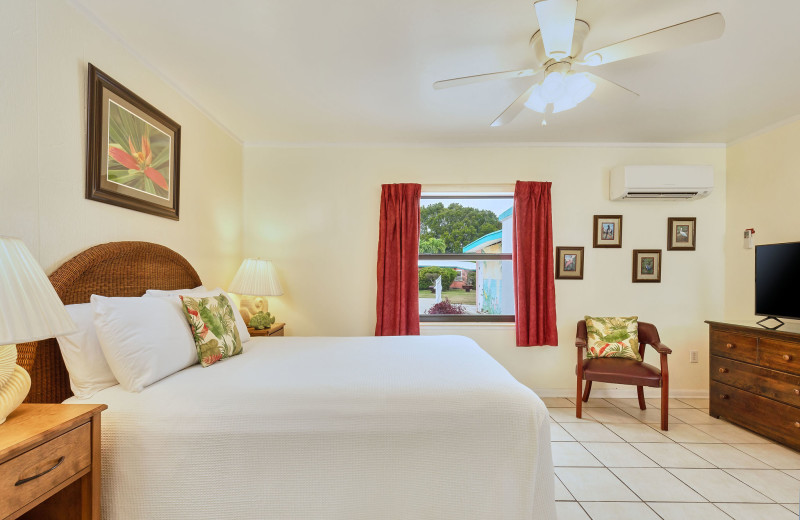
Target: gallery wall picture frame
[[569, 263], [607, 231], [681, 233], [133, 150], [646, 266]]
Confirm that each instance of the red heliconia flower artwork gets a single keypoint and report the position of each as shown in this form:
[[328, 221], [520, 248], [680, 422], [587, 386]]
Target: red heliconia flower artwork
[[138, 153]]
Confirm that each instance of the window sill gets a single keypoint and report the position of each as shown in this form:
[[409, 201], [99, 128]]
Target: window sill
[[466, 324]]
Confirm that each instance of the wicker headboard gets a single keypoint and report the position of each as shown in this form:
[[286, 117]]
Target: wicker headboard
[[113, 269]]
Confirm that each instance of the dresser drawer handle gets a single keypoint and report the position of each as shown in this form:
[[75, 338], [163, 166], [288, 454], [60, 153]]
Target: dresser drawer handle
[[724, 396], [722, 370], [43, 473], [797, 391], [787, 357], [729, 345], [797, 424]]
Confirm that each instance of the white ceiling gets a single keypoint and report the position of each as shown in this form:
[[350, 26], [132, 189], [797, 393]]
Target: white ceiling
[[360, 71]]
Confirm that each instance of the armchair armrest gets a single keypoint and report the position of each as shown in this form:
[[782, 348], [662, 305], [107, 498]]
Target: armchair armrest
[[580, 343], [661, 348]]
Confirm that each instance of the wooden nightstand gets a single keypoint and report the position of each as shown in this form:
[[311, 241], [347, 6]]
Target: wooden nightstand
[[50, 462], [275, 330]]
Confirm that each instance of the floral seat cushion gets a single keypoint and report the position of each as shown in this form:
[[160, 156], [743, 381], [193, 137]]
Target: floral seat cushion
[[613, 337]]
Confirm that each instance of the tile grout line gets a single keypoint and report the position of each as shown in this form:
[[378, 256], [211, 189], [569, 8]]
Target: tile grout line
[[624, 441]]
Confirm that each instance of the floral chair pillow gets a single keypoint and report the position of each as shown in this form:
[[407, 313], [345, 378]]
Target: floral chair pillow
[[613, 337], [213, 326]]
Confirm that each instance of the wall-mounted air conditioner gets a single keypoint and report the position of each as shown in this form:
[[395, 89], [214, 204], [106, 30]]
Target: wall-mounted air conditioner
[[661, 182]]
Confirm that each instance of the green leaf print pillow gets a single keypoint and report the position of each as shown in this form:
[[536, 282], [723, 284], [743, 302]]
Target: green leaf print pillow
[[213, 326], [613, 337]]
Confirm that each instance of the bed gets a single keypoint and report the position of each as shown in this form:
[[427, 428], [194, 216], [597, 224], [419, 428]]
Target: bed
[[342, 428]]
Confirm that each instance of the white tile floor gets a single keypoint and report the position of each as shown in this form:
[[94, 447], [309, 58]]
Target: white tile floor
[[617, 464]]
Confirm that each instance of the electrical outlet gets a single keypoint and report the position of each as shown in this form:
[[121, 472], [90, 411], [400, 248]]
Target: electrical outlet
[[694, 356]]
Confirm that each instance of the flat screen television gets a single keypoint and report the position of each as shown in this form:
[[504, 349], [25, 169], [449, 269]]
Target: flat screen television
[[778, 280]]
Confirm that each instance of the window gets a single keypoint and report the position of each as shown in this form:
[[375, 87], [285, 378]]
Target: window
[[465, 268]]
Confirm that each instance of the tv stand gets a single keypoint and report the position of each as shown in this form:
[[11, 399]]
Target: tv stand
[[776, 327]]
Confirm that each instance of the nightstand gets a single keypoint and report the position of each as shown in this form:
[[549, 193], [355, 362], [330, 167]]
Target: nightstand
[[50, 462], [275, 330]]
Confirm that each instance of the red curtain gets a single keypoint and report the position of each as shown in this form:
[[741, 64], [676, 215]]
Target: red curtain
[[398, 250], [534, 284]]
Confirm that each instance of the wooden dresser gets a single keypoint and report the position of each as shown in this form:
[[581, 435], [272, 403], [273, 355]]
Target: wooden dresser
[[755, 379]]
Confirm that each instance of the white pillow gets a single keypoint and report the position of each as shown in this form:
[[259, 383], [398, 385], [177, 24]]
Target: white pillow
[[88, 370], [176, 292], [202, 292], [144, 339]]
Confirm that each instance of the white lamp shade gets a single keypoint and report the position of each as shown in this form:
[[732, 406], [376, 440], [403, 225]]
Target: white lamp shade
[[30, 309], [256, 277]]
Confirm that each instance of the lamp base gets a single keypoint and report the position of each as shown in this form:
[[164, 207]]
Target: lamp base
[[15, 383], [14, 392]]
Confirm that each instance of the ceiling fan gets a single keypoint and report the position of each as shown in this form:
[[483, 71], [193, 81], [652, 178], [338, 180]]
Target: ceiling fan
[[558, 45]]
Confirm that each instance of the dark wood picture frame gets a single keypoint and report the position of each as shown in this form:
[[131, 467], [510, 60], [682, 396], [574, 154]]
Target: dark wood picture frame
[[674, 241], [640, 277], [561, 272], [102, 91], [597, 240]]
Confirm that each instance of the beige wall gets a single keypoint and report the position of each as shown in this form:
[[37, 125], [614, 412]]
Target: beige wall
[[763, 188], [314, 212], [46, 47]]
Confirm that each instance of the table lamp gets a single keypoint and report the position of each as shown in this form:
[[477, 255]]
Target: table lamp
[[256, 278], [30, 310]]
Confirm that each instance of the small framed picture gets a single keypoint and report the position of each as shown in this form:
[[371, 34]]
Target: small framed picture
[[646, 265], [569, 263], [607, 231], [681, 233]]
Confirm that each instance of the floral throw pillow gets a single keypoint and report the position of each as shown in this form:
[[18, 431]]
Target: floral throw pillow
[[613, 337], [213, 326]]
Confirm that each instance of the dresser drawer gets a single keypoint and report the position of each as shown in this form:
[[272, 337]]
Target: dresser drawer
[[780, 355], [734, 346], [770, 418], [55, 461], [768, 383]]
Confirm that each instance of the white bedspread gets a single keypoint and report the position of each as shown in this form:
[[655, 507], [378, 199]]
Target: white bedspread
[[331, 428]]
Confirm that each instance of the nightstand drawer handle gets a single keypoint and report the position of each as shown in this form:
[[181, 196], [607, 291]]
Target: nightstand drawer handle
[[797, 391], [43, 473], [797, 425], [787, 357], [724, 396], [729, 345], [722, 370]]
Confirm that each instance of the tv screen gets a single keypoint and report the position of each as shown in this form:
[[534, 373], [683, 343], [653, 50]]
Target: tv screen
[[778, 280]]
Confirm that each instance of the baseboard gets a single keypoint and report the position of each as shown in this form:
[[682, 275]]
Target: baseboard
[[621, 392]]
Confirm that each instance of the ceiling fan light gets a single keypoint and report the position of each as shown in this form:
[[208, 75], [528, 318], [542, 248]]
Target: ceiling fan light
[[553, 87], [557, 23], [535, 101], [565, 103], [579, 87]]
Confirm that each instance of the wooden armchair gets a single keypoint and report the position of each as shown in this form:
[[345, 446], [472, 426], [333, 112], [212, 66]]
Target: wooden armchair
[[625, 371]]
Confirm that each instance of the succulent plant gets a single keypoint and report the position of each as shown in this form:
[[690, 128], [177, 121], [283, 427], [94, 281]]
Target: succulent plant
[[262, 320]]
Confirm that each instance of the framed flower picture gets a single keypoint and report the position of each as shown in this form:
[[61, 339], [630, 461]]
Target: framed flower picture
[[646, 265], [607, 231], [569, 263], [133, 150], [681, 233]]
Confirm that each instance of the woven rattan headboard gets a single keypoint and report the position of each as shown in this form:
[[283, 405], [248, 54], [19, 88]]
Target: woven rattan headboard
[[113, 269]]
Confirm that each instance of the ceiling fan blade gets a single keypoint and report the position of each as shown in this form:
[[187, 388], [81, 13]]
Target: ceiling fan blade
[[709, 27], [466, 80], [557, 23], [514, 108], [607, 90]]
